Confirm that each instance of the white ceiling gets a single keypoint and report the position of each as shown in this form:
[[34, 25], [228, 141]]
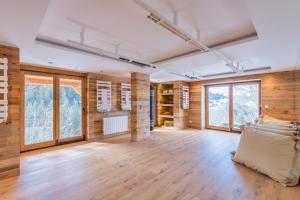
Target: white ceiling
[[112, 22]]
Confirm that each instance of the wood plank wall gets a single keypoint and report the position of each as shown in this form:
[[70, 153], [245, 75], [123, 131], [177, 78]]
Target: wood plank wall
[[180, 115], [95, 118], [10, 132], [195, 105], [140, 106], [279, 90]]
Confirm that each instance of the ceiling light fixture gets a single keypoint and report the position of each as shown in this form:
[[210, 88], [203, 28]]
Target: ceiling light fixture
[[242, 71], [173, 28], [195, 77]]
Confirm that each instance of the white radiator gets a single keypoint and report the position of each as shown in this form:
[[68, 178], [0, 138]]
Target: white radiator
[[113, 125]]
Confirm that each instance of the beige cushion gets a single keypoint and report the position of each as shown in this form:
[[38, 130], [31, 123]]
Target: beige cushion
[[269, 119], [271, 154], [277, 130], [277, 126]]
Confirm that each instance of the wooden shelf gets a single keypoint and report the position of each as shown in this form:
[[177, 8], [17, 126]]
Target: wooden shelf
[[166, 94], [166, 105], [167, 116]]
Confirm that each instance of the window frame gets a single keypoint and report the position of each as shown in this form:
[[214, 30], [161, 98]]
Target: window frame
[[56, 140], [230, 85]]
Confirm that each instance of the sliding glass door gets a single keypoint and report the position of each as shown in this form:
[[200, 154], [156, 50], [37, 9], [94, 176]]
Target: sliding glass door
[[218, 107], [39, 111], [53, 110], [245, 103], [228, 106], [70, 108]]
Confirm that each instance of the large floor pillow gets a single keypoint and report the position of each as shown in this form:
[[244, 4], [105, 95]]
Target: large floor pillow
[[271, 154]]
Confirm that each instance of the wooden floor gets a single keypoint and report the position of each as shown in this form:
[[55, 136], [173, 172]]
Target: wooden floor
[[169, 165]]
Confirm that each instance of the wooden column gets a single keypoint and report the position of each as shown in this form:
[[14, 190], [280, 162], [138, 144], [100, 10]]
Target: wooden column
[[195, 111], [140, 106], [10, 131], [180, 114]]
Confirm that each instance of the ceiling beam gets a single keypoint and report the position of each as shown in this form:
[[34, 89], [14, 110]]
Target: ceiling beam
[[176, 30], [236, 41]]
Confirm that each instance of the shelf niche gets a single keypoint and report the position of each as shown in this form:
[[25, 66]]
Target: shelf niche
[[165, 105]]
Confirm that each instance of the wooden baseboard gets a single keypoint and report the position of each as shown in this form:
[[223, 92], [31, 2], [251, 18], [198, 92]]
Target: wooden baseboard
[[10, 173]]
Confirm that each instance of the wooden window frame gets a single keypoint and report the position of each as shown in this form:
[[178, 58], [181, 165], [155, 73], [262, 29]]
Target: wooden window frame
[[230, 85], [56, 74]]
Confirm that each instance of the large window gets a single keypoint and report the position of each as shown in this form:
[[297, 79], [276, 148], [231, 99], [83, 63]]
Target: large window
[[218, 106], [39, 109], [52, 110], [70, 108], [228, 106], [245, 100]]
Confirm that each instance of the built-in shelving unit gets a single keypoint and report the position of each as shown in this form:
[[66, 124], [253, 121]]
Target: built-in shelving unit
[[165, 104]]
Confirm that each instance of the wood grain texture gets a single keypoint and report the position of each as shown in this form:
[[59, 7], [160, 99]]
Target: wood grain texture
[[10, 131], [279, 90], [186, 165], [195, 105], [180, 115], [95, 118], [140, 106]]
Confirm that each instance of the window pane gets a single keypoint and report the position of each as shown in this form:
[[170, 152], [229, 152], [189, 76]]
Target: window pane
[[218, 106], [38, 109], [70, 108], [245, 104]]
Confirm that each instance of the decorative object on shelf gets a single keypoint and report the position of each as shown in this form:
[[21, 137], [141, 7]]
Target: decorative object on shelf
[[3, 90], [185, 99], [125, 96], [168, 123], [167, 92], [104, 96]]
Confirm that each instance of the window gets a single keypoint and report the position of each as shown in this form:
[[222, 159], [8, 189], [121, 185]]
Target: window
[[228, 106], [245, 98], [218, 106], [52, 109], [39, 109], [70, 108]]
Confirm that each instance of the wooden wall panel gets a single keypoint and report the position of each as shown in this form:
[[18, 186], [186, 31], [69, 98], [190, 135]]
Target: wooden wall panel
[[140, 108], [95, 118], [280, 91], [195, 105], [10, 132], [297, 95], [180, 115]]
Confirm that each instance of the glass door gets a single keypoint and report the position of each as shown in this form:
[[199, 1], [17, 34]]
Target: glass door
[[52, 110], [245, 103], [38, 108], [228, 106], [70, 108], [218, 103]]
